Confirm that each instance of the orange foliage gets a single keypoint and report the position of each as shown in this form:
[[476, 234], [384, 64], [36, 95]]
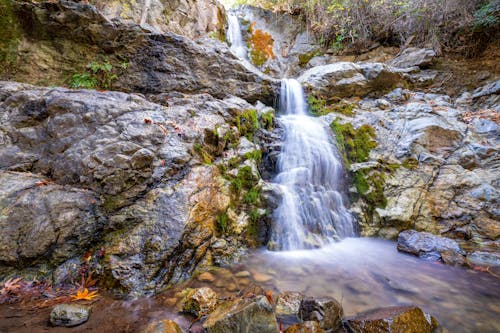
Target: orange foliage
[[261, 44], [84, 295]]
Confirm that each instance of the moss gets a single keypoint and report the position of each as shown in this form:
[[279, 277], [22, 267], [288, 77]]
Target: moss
[[306, 57], [247, 122], [205, 156], [113, 202], [320, 107], [245, 180], [354, 144], [254, 155], [222, 223], [267, 120], [9, 35], [410, 163], [252, 196], [370, 186]]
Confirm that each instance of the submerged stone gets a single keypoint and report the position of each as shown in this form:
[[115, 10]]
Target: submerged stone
[[200, 302], [428, 246], [69, 315], [327, 311], [163, 326]]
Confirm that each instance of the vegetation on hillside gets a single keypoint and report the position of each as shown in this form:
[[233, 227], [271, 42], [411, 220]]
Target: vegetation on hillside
[[463, 26]]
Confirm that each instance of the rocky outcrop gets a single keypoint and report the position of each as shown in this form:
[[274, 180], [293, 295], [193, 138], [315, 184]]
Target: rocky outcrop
[[394, 319], [56, 41], [433, 168], [190, 18], [114, 174], [346, 79]]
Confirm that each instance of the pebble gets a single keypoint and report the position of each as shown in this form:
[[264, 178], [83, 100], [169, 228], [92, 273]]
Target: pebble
[[206, 277], [242, 274], [69, 315], [261, 277]]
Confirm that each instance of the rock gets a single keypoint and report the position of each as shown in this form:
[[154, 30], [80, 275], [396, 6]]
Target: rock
[[428, 246], [200, 301], [163, 326], [398, 319], [261, 277], [205, 16], [346, 79], [488, 89], [69, 315], [204, 66], [482, 258], [253, 314], [305, 327], [326, 311], [206, 277], [413, 56], [288, 303], [242, 274]]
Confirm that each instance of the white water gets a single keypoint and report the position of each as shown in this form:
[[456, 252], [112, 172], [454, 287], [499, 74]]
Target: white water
[[312, 212], [234, 35]]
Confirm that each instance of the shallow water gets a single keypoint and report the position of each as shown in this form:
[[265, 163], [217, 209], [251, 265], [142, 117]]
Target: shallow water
[[367, 273]]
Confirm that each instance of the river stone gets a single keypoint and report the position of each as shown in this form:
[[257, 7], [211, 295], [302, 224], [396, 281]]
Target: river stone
[[327, 311], [200, 301], [305, 327], [245, 315], [288, 303], [163, 326], [398, 319], [413, 56], [69, 315], [426, 245]]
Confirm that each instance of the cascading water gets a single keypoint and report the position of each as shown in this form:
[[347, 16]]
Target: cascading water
[[312, 211], [234, 35]]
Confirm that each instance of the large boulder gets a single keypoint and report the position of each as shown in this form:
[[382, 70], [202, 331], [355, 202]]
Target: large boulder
[[427, 246], [398, 319], [69, 36], [251, 314], [347, 79], [83, 169], [412, 57]]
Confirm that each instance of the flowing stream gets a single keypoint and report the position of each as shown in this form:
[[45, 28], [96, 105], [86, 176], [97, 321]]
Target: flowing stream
[[234, 35], [312, 212]]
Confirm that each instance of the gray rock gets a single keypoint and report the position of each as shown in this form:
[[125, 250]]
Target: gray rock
[[483, 258], [288, 303], [243, 315], [427, 246], [69, 315], [326, 311], [346, 79], [413, 57]]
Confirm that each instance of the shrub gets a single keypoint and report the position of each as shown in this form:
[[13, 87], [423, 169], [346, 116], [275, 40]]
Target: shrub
[[260, 45]]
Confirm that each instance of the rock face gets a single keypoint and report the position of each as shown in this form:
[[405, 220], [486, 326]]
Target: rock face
[[163, 326], [243, 315], [428, 246], [190, 18], [141, 61], [413, 56], [347, 79], [404, 319], [326, 311], [434, 168], [69, 315], [82, 168]]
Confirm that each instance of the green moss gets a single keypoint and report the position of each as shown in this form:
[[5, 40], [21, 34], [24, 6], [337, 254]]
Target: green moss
[[205, 156], [247, 122], [410, 163], [252, 196], [320, 107], [306, 57], [370, 186], [254, 155], [245, 180], [222, 223], [267, 120], [354, 144], [9, 35]]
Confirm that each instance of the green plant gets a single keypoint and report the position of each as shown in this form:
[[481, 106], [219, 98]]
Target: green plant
[[247, 122], [320, 107], [254, 155], [354, 144], [487, 16], [206, 157], [268, 120], [9, 34], [222, 223], [84, 80], [96, 75], [252, 196]]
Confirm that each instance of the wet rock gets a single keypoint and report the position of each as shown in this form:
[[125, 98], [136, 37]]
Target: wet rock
[[428, 246], [326, 311], [403, 319], [345, 79], [288, 303], [163, 326], [254, 314], [412, 56], [206, 277], [483, 258], [200, 301], [305, 327], [69, 315]]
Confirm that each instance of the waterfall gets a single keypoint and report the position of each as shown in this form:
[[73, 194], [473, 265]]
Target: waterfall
[[234, 35], [311, 212]]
